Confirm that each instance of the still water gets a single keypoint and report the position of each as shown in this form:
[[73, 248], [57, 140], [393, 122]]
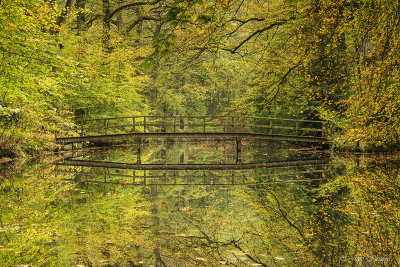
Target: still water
[[340, 211]]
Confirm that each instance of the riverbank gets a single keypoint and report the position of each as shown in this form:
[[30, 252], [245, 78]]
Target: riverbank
[[24, 145]]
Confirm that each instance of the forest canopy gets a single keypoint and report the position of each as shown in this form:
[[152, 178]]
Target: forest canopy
[[332, 60]]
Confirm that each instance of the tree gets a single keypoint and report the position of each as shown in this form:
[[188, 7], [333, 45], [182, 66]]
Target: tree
[[31, 71], [334, 60]]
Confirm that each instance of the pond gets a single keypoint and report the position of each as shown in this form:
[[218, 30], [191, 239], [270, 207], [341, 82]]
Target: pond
[[319, 209]]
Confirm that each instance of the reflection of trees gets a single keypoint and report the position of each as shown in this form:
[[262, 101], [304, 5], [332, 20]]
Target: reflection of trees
[[211, 246], [166, 151], [201, 228], [352, 217], [356, 217], [55, 223], [156, 225], [281, 232], [198, 229]]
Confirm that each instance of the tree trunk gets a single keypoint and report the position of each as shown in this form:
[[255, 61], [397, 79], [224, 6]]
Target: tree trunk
[[81, 18], [106, 26], [68, 5], [120, 21]]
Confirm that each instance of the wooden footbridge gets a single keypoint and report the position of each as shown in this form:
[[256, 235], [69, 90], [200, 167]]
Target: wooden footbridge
[[196, 127], [217, 127]]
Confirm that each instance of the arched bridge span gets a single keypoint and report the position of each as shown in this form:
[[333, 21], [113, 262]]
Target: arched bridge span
[[219, 127]]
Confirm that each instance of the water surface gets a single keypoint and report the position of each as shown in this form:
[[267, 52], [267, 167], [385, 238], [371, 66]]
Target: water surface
[[342, 213]]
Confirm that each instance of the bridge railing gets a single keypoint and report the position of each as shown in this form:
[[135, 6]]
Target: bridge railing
[[104, 175], [196, 124]]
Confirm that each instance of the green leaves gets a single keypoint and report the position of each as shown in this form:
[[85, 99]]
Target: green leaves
[[148, 63], [349, 56], [204, 18]]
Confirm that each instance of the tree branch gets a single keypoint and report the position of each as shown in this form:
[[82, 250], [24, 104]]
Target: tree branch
[[285, 217], [141, 19], [283, 79], [242, 23], [131, 5], [246, 21], [258, 32], [248, 255], [90, 22]]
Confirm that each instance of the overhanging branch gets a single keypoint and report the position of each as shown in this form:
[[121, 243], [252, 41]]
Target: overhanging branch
[[93, 19], [283, 79], [247, 20], [132, 5], [141, 19], [275, 24]]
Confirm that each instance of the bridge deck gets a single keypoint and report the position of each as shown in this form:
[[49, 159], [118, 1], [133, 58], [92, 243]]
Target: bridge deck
[[96, 138]]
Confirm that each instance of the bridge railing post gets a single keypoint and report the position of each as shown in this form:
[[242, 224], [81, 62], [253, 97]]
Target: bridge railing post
[[186, 124], [238, 142], [165, 123], [139, 151], [204, 124], [133, 124], [174, 124], [144, 124], [105, 126]]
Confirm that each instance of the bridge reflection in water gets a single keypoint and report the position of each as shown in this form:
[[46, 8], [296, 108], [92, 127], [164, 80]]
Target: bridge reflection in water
[[238, 167], [99, 172]]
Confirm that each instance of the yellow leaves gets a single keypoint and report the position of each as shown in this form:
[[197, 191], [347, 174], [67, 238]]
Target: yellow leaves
[[200, 31], [177, 28], [9, 25], [29, 12], [324, 30], [41, 19]]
